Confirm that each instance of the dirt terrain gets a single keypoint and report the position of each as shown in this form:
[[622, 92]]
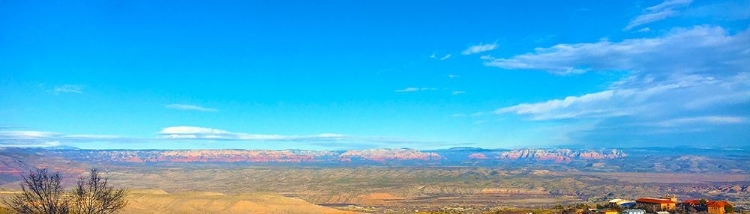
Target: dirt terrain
[[535, 179], [159, 201]]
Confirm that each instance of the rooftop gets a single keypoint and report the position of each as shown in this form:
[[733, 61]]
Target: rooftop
[[654, 200], [716, 203]]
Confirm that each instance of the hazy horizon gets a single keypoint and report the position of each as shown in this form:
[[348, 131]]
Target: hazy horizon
[[388, 74]]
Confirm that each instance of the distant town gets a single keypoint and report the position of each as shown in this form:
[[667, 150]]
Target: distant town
[[667, 204]]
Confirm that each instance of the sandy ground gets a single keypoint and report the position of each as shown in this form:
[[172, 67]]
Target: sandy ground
[[159, 201]]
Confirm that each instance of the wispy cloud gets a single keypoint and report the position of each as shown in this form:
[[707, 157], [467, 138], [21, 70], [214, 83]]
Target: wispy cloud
[[24, 138], [415, 89], [453, 76], [658, 12], [195, 133], [26, 134], [714, 120], [447, 56], [479, 48], [190, 107], [686, 79], [588, 105], [640, 98], [458, 92], [666, 54], [78, 89]]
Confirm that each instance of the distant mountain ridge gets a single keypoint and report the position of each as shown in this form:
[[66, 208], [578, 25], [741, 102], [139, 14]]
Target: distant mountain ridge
[[15, 160], [561, 155], [384, 155]]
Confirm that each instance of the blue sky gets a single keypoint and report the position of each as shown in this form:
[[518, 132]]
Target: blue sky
[[374, 74]]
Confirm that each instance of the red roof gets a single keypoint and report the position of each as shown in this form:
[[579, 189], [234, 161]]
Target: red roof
[[654, 201], [717, 203], [692, 202]]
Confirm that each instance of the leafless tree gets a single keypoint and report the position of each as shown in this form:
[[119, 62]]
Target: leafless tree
[[94, 195], [41, 193]]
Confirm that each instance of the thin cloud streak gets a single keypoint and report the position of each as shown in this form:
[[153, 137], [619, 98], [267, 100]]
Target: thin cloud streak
[[186, 107], [479, 48], [77, 89], [201, 133], [415, 89], [666, 54], [658, 12], [714, 120]]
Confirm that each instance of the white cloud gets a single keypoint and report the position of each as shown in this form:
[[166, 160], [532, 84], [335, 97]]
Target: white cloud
[[452, 76], [447, 56], [715, 120], [641, 97], [433, 56], [190, 107], [201, 133], [658, 12], [479, 48], [588, 105], [35, 145], [415, 89], [693, 50], [26, 134], [458, 92], [78, 89], [20, 138]]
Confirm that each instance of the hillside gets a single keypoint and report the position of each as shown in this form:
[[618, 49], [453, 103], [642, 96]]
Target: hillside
[[148, 201], [158, 201]]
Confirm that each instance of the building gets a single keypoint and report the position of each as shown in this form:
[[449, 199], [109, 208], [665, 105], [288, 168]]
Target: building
[[662, 212], [608, 211], [692, 202], [712, 207], [634, 211], [627, 204], [716, 207], [656, 204]]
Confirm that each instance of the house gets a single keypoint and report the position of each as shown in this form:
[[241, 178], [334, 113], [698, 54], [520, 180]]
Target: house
[[716, 207], [634, 211], [712, 207], [656, 204]]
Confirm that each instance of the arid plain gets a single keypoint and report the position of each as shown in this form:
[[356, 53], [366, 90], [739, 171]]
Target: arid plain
[[390, 180]]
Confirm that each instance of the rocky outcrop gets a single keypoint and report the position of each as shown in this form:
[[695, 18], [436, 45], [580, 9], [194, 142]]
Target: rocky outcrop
[[383, 155], [207, 156], [560, 155], [477, 156]]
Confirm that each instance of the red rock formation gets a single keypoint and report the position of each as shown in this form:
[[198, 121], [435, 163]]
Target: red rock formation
[[560, 155], [382, 155], [477, 156]]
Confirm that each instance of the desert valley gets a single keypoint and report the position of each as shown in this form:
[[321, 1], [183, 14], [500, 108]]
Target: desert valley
[[469, 180]]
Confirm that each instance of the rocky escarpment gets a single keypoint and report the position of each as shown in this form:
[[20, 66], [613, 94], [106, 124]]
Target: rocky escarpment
[[324, 156], [382, 155], [200, 156], [249, 156], [560, 155]]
